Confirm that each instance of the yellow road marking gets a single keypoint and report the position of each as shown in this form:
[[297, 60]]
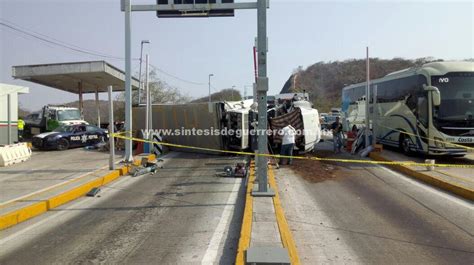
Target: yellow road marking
[[29, 196], [285, 233], [459, 190], [17, 216], [246, 230]]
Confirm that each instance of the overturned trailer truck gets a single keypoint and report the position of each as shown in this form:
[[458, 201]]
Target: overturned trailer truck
[[227, 125]]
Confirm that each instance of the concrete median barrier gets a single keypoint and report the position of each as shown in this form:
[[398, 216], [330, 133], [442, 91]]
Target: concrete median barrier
[[14, 153]]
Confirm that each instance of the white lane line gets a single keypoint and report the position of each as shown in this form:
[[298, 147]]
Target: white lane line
[[210, 257], [54, 216], [60, 213], [50, 187], [27, 196], [429, 188]]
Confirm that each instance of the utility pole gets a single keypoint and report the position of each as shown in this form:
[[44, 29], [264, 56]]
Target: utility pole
[[294, 81], [210, 87], [367, 100], [150, 99]]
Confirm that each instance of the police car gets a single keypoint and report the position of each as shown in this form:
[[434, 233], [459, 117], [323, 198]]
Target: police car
[[68, 136]]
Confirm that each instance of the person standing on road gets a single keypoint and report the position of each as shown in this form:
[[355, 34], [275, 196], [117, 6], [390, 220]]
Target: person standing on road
[[21, 127], [336, 128], [288, 143]]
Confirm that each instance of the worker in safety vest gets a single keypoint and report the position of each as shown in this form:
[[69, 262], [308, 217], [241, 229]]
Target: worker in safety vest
[[21, 126]]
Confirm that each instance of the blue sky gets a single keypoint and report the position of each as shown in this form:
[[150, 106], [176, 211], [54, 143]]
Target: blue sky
[[299, 32]]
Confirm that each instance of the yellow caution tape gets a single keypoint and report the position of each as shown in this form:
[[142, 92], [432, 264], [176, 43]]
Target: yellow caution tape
[[357, 161]]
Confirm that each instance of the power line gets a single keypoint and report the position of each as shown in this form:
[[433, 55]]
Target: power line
[[51, 40], [59, 43], [176, 77]]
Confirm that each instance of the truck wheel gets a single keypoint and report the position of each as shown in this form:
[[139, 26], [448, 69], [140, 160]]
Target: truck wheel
[[63, 144]]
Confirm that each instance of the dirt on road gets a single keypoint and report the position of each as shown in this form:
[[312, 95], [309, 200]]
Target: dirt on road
[[318, 171]]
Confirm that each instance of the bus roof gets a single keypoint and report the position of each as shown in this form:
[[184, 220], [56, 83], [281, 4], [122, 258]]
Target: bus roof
[[434, 68]]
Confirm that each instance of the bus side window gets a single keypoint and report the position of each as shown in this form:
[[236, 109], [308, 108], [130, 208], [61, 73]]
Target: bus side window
[[422, 112]]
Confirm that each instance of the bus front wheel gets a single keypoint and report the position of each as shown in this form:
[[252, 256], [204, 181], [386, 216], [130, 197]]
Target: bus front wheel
[[404, 144]]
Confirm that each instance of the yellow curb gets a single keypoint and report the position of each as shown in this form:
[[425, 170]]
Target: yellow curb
[[246, 230], [285, 233], [52, 188], [17, 216], [461, 191]]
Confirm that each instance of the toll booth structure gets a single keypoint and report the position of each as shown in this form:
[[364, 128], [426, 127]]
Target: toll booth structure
[[76, 77], [9, 112]]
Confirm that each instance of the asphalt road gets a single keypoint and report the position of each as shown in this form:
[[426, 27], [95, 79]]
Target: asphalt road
[[182, 214], [371, 215]]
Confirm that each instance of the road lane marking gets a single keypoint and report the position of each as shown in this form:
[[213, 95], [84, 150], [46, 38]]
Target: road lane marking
[[429, 188], [210, 257], [60, 213], [246, 229], [28, 196], [285, 233]]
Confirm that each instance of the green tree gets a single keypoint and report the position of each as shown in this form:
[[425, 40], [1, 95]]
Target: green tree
[[161, 92]]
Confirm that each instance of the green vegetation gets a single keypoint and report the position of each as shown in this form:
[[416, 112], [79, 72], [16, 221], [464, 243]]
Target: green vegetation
[[227, 94]]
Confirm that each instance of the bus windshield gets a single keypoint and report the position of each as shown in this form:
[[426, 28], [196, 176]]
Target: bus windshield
[[69, 114], [457, 97]]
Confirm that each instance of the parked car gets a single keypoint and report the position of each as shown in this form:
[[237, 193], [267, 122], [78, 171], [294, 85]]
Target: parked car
[[68, 136]]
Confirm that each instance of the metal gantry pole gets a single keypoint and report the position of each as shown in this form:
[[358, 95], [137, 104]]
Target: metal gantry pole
[[128, 81], [111, 131], [367, 100], [262, 88]]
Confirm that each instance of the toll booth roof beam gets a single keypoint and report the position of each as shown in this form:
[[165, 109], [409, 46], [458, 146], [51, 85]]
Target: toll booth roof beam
[[94, 76]]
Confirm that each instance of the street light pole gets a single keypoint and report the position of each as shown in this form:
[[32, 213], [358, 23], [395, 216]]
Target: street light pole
[[210, 87], [367, 100], [140, 71], [232, 92]]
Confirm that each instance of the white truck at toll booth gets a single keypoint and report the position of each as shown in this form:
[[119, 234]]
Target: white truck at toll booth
[[50, 117]]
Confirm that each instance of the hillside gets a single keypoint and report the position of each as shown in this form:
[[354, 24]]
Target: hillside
[[324, 80], [228, 94]]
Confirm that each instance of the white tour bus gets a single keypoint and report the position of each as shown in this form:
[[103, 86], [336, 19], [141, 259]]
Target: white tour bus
[[428, 109]]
